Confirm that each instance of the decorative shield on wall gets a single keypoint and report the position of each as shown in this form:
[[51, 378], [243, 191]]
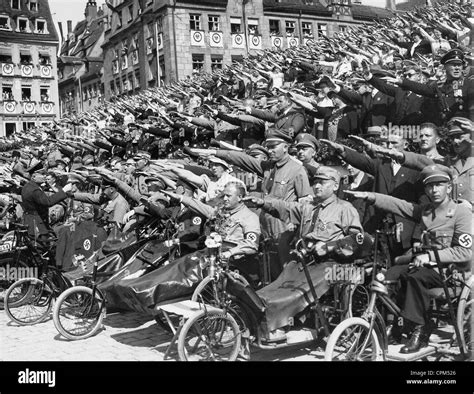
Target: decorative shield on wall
[[277, 42], [10, 106], [216, 39], [47, 107], [29, 107], [45, 71], [26, 70], [197, 37], [7, 69]]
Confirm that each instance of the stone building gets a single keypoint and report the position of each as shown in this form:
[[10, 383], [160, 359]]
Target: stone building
[[28, 70], [194, 36], [80, 63]]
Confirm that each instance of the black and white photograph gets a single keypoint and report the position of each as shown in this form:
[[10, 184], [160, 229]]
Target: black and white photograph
[[280, 189]]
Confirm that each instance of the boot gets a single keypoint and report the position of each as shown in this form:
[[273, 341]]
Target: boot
[[418, 340]]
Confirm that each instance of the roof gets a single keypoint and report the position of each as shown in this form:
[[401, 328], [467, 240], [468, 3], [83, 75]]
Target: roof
[[44, 12], [370, 12], [295, 6], [409, 5]]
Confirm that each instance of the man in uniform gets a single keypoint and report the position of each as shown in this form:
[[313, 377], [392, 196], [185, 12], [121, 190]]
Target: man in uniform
[[460, 129], [36, 204], [287, 119], [448, 225], [283, 178], [306, 146], [142, 159], [240, 231], [327, 219], [456, 95]]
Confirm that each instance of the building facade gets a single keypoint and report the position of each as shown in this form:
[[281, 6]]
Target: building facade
[[80, 64], [28, 67], [193, 36]]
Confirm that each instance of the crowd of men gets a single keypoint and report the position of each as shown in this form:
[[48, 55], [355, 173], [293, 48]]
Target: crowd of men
[[372, 127]]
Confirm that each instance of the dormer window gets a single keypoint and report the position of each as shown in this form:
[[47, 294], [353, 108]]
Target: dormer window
[[41, 26], [33, 5], [22, 25], [15, 4], [5, 23]]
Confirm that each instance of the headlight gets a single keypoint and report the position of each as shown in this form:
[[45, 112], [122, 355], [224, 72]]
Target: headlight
[[380, 277]]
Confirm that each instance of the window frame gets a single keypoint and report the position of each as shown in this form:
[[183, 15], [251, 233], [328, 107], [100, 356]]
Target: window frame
[[17, 2], [23, 19], [8, 24], [196, 20], [278, 25], [214, 21], [305, 29], [200, 60]]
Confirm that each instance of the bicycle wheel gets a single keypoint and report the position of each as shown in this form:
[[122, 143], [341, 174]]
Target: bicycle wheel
[[6, 264], [465, 319], [347, 340], [28, 301], [359, 298], [78, 315], [209, 292], [209, 336]]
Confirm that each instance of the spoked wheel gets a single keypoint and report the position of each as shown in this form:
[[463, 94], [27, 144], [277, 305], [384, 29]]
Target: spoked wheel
[[465, 320], [358, 300], [5, 282], [209, 336], [209, 292], [77, 314], [349, 342], [28, 301]]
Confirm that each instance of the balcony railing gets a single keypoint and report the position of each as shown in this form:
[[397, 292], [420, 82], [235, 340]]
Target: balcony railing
[[9, 107], [46, 71], [47, 107], [255, 41], [277, 42], [238, 40], [29, 107]]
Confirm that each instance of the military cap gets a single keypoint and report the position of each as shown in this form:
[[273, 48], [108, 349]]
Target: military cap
[[323, 172], [255, 149], [457, 128], [435, 173], [216, 160], [142, 155], [280, 135], [454, 55], [305, 139]]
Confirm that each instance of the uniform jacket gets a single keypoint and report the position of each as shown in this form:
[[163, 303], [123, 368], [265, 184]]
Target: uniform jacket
[[336, 217], [464, 181], [36, 203], [449, 106], [448, 225], [403, 185], [407, 104], [114, 209], [240, 225], [293, 118]]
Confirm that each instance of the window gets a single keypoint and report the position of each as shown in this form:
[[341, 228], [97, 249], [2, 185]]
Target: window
[[216, 62], [25, 94], [130, 13], [112, 87], [195, 22], [159, 24], [7, 93], [235, 25], [290, 28], [25, 58], [44, 94], [253, 27], [342, 28], [214, 23], [322, 29], [5, 58], [5, 22], [307, 28], [44, 60], [40, 27], [22, 25], [198, 62], [237, 58], [274, 27], [33, 5], [15, 4]]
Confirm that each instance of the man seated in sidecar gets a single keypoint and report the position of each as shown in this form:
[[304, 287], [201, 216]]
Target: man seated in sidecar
[[237, 225], [448, 224], [327, 219]]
